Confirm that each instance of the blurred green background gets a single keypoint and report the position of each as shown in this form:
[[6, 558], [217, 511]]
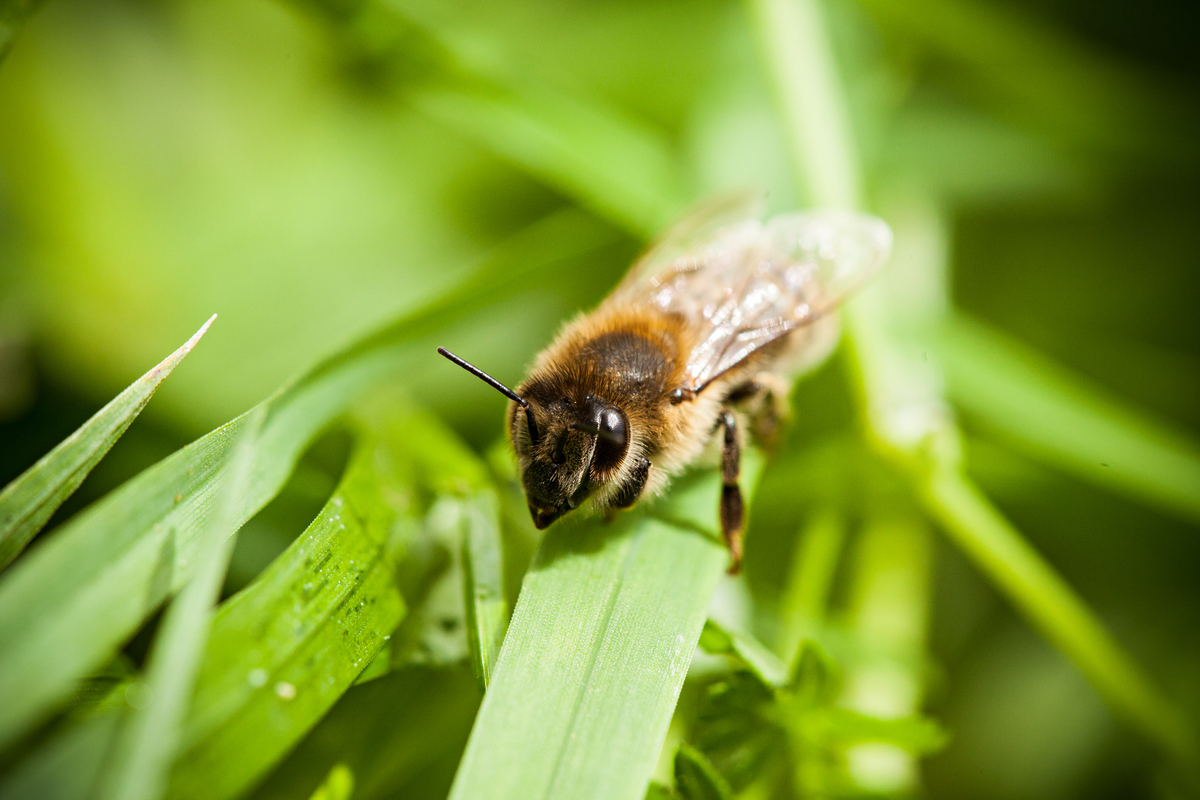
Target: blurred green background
[[289, 168]]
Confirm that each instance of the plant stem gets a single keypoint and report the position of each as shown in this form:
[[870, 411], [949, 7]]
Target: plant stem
[[906, 417]]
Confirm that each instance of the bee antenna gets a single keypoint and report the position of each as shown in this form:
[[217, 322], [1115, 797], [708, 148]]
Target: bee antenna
[[594, 431], [498, 386]]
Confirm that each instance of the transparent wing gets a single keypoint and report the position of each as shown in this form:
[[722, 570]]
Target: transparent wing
[[695, 233], [746, 284]]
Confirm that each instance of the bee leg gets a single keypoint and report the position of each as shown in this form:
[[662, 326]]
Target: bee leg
[[731, 496], [632, 489], [766, 399]]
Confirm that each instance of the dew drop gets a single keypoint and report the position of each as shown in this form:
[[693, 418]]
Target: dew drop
[[285, 690]]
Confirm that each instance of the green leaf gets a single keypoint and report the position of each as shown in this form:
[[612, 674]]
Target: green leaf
[[696, 778], [1057, 417], [30, 500], [285, 649], [146, 744], [69, 604], [765, 665], [483, 583], [596, 652]]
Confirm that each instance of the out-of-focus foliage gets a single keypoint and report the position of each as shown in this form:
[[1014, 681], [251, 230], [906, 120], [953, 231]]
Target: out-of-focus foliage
[[371, 178]]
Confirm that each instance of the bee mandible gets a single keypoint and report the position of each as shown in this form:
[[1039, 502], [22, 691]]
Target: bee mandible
[[702, 332]]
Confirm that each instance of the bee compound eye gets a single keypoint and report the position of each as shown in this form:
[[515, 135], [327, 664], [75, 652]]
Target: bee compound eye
[[612, 422]]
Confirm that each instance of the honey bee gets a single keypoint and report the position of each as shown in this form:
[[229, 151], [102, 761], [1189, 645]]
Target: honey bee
[[702, 331]]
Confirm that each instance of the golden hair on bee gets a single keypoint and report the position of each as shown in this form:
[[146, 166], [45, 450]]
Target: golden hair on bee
[[696, 336]]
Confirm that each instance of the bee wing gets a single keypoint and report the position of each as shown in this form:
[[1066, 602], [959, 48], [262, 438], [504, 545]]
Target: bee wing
[[748, 283], [692, 235]]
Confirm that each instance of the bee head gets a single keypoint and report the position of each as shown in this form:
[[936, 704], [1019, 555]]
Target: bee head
[[567, 446], [575, 445]]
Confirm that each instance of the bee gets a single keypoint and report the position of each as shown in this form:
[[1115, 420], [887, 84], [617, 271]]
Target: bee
[[704, 330]]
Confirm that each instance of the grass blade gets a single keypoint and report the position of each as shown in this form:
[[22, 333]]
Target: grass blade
[[483, 584], [596, 653], [609, 164], [616, 166], [29, 501], [287, 647], [1050, 604], [400, 735], [146, 745], [1058, 418], [906, 419], [67, 606]]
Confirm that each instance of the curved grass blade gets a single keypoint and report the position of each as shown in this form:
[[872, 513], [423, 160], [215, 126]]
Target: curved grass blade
[[314, 617], [67, 606], [483, 584], [146, 745], [596, 652], [30, 500], [1058, 418], [286, 648]]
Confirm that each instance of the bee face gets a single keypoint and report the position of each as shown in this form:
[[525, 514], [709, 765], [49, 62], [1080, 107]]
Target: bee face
[[579, 444]]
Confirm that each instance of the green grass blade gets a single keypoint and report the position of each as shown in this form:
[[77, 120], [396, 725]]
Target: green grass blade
[[483, 583], [617, 166], [1058, 418], [146, 745], [905, 419], [596, 653], [1051, 605], [611, 165], [69, 604], [401, 736], [29, 501], [287, 647], [791, 36]]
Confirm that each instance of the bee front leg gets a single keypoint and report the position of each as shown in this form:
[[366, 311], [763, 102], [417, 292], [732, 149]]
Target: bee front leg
[[632, 489], [731, 495]]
